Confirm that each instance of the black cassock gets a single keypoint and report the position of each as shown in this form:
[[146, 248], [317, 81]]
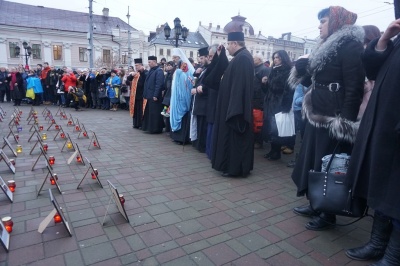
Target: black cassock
[[233, 150]]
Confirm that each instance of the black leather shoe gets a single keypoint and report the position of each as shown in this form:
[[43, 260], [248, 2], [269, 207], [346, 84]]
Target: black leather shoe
[[267, 155], [305, 211], [225, 174], [274, 156], [322, 222]]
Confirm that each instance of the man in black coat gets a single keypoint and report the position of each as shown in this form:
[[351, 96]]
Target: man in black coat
[[153, 120], [233, 151]]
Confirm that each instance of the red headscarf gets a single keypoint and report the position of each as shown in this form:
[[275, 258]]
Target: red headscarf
[[338, 17]]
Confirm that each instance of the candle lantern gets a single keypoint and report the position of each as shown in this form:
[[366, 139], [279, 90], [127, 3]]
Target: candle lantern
[[40, 128], [85, 134], [95, 143], [64, 116], [51, 160], [77, 128], [53, 121], [8, 223], [57, 218], [12, 161], [69, 145], [45, 147], [19, 149], [17, 136], [78, 159], [121, 199], [95, 173], [19, 128], [62, 135], [44, 136], [34, 112], [11, 185], [16, 122], [53, 179], [69, 122], [36, 121], [57, 127]]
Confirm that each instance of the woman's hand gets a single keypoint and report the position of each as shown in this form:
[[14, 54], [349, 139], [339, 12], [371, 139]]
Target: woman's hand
[[392, 30]]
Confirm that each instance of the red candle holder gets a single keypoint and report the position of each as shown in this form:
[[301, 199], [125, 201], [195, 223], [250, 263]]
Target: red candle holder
[[57, 127], [77, 128], [11, 185], [69, 122], [53, 179], [16, 122], [121, 199], [62, 135], [95, 173], [95, 143], [85, 134], [57, 218], [64, 116], [8, 223], [12, 161], [40, 128], [53, 121], [45, 147], [78, 159], [17, 136], [51, 160]]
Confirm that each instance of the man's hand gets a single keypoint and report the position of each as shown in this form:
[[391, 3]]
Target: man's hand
[[200, 89], [155, 99], [193, 91], [264, 79], [199, 70]]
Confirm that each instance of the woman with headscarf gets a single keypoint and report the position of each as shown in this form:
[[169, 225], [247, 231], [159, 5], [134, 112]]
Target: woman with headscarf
[[335, 74], [181, 97], [16, 82]]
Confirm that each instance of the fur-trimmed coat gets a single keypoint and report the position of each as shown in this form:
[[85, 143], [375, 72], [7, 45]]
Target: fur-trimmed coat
[[331, 115]]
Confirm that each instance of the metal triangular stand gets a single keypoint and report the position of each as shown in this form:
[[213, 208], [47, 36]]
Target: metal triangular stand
[[7, 143], [6, 190], [61, 133], [94, 141], [57, 210], [94, 173], [83, 132], [63, 116], [2, 113], [70, 122], [41, 145], [76, 155], [72, 148], [45, 157], [15, 136], [48, 116], [53, 179], [4, 157], [33, 133], [31, 113], [44, 112], [115, 196], [59, 111], [53, 123]]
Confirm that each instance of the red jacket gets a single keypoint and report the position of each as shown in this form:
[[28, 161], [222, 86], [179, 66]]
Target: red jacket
[[43, 75], [69, 80]]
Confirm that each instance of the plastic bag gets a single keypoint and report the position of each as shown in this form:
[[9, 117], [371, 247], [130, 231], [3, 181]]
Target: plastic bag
[[30, 93], [285, 124]]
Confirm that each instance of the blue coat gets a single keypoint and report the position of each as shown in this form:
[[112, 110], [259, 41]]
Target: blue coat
[[153, 85], [116, 81]]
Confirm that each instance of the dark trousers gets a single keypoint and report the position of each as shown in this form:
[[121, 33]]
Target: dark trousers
[[2, 94], [8, 94]]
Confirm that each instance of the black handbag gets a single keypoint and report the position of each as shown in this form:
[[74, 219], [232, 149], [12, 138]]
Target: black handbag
[[331, 192]]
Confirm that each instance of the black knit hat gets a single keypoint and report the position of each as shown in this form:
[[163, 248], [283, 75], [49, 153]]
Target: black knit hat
[[203, 51], [236, 36], [138, 60]]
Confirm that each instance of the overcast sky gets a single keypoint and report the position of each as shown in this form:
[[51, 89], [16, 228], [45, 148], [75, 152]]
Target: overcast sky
[[271, 17]]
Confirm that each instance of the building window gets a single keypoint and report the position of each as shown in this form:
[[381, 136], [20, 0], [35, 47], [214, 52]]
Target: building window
[[36, 51], [161, 51], [57, 52], [12, 46], [106, 56], [269, 56], [245, 31], [168, 52], [124, 59], [262, 53], [83, 54], [191, 54]]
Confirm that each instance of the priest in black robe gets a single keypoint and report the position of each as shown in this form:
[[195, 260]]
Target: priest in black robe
[[233, 152], [153, 120], [136, 81]]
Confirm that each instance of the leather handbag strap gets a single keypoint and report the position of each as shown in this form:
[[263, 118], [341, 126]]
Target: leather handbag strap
[[333, 156]]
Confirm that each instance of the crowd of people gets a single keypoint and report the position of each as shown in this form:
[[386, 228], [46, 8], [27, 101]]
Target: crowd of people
[[343, 95]]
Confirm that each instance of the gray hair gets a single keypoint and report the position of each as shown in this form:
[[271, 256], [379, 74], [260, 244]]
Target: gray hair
[[213, 48], [259, 56]]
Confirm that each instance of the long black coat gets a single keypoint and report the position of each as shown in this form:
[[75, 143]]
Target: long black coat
[[260, 71], [233, 150], [330, 115], [375, 159]]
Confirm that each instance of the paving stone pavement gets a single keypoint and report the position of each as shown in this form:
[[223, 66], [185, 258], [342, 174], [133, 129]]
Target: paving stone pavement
[[181, 211]]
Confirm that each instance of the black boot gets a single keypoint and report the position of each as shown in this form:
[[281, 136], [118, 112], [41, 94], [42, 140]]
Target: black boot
[[324, 221], [275, 152], [392, 253], [305, 211], [375, 248]]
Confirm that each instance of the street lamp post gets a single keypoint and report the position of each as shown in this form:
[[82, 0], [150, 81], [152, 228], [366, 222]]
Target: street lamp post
[[178, 31], [28, 52], [129, 40]]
